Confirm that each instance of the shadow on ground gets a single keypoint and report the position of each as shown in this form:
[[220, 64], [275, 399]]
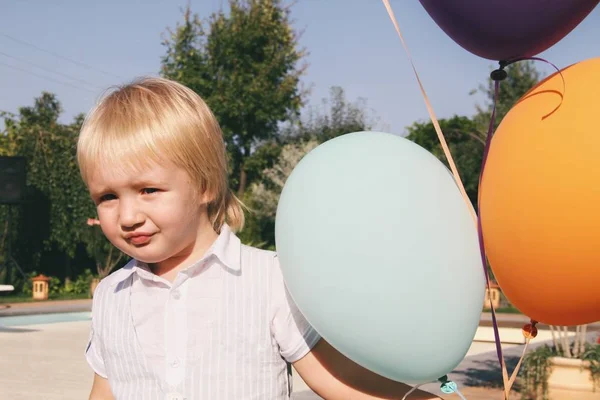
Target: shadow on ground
[[487, 373], [16, 330]]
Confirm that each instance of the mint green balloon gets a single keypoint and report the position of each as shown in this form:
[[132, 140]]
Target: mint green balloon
[[381, 255]]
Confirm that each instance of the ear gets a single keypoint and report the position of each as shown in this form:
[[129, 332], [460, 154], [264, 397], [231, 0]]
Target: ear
[[206, 197]]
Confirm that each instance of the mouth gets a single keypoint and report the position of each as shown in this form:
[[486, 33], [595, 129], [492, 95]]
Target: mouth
[[139, 239]]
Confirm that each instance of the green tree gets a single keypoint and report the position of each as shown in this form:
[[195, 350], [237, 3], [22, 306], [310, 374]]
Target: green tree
[[464, 141], [52, 219], [336, 116], [466, 137], [521, 76], [245, 64], [50, 148], [263, 195], [106, 256]]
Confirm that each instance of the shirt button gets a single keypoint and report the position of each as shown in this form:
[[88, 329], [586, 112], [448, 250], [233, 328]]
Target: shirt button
[[175, 363], [176, 295]]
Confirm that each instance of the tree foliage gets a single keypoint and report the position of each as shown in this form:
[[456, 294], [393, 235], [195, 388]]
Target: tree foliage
[[266, 193], [245, 64], [466, 136], [465, 146], [54, 184], [521, 77], [106, 256], [49, 228], [336, 116]]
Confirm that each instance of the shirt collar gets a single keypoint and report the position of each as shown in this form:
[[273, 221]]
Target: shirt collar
[[227, 249]]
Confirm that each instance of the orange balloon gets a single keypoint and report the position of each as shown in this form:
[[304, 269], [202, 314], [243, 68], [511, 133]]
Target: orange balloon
[[540, 199]]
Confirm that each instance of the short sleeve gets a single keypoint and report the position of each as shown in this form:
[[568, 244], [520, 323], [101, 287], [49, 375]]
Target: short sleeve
[[93, 351], [292, 332]]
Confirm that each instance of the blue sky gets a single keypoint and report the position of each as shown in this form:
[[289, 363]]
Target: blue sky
[[351, 44]]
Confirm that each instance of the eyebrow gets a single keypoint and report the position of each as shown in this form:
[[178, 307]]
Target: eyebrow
[[142, 183], [147, 183]]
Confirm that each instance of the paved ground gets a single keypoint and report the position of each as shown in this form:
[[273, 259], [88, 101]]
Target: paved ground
[[44, 307], [46, 361]]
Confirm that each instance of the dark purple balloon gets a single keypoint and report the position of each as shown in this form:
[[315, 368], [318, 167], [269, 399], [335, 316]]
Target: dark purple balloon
[[504, 30]]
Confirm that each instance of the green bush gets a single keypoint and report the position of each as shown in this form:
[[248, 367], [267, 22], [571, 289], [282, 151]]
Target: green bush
[[77, 288], [80, 286], [25, 286], [537, 368]]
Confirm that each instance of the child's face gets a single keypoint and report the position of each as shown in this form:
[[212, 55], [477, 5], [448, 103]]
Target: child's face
[[153, 215]]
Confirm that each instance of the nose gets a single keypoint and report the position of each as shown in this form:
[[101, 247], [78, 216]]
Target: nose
[[130, 214]]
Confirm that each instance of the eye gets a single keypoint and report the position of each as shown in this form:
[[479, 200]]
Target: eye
[[149, 190], [106, 197]]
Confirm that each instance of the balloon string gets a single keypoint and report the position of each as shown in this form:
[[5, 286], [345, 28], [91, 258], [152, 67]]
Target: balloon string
[[476, 216], [411, 391], [486, 150], [454, 390], [460, 394], [508, 382], [513, 376], [434, 120], [564, 86], [455, 172]]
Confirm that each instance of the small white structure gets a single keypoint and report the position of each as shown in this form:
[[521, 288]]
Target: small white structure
[[40, 287], [6, 288]]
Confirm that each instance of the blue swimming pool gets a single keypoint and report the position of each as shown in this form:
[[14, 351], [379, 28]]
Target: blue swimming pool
[[38, 319]]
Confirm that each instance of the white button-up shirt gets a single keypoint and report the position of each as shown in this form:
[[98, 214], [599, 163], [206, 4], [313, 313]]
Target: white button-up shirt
[[226, 328]]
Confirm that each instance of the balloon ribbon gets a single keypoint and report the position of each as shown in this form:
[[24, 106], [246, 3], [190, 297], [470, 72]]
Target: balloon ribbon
[[508, 382], [530, 330], [434, 120]]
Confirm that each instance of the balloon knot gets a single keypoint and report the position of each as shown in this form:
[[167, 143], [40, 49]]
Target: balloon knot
[[448, 387], [499, 74], [530, 331]]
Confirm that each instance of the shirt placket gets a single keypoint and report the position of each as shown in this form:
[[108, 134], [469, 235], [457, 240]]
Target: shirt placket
[[176, 337]]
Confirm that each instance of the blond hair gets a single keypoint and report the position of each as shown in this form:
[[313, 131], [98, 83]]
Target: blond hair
[[154, 119]]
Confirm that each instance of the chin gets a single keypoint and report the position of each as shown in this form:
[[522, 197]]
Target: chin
[[149, 258], [144, 254]]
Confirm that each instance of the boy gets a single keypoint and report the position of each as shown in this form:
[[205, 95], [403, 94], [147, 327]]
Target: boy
[[195, 314]]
